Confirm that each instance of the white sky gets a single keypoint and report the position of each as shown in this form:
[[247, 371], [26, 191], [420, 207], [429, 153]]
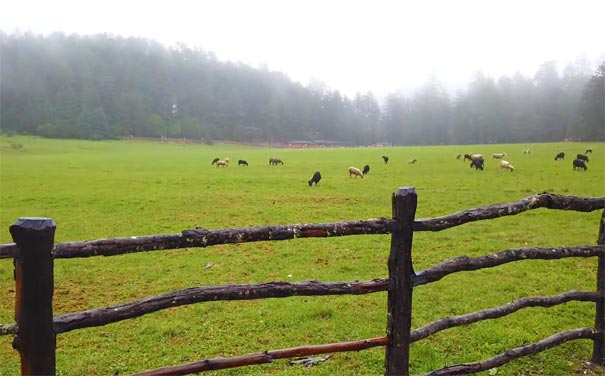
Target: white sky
[[351, 45]]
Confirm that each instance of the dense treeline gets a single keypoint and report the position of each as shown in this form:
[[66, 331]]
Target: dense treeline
[[104, 86]]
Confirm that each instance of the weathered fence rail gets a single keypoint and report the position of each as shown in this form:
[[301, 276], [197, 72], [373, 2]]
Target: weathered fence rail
[[34, 251], [205, 238]]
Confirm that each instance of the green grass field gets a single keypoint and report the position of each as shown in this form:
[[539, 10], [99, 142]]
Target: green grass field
[[122, 188]]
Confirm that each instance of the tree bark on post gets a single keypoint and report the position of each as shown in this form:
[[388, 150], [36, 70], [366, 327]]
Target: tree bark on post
[[598, 350], [36, 338], [401, 273]]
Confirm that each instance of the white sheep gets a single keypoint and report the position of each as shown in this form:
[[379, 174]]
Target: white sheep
[[505, 165], [472, 157], [355, 171], [222, 163], [498, 155]]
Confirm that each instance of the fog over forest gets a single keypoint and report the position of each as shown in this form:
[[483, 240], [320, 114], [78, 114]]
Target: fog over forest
[[104, 86]]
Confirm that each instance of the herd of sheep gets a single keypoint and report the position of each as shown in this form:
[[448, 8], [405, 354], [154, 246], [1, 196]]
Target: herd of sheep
[[580, 162], [353, 171], [477, 161]]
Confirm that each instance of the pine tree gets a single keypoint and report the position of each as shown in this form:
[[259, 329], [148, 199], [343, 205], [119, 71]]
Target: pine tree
[[592, 107]]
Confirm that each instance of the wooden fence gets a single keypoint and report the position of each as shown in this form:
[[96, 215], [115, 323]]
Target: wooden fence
[[34, 250]]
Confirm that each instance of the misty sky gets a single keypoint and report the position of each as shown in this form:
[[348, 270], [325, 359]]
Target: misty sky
[[378, 46]]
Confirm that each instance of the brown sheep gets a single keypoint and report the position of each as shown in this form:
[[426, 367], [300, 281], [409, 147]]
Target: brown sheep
[[355, 171]]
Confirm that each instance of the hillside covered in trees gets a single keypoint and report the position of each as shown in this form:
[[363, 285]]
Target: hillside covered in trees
[[103, 86]]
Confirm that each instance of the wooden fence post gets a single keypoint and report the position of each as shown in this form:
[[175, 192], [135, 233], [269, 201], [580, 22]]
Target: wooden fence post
[[598, 350], [36, 338], [401, 273]]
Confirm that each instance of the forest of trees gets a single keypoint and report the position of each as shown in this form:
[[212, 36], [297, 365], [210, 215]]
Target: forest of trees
[[103, 86]]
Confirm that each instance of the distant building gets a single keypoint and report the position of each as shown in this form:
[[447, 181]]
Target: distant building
[[298, 144], [381, 144]]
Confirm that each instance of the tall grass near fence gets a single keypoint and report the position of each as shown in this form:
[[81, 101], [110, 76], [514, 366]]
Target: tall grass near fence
[[111, 189]]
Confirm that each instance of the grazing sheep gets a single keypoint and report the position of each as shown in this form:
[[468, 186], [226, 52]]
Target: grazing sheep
[[498, 155], [275, 161], [355, 171], [315, 179], [385, 159], [472, 156], [412, 161], [579, 164], [560, 155], [589, 150], [366, 169], [505, 165], [242, 162], [222, 163], [526, 151], [477, 163], [215, 160], [458, 156], [582, 157]]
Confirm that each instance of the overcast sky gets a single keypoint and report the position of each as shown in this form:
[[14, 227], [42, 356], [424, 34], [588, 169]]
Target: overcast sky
[[352, 46]]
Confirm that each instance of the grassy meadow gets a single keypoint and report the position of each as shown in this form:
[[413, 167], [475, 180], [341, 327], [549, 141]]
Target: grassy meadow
[[123, 188]]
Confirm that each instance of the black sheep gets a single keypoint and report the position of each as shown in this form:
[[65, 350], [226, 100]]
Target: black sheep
[[315, 179], [215, 160], [366, 169], [579, 164], [242, 162], [561, 155], [385, 159], [589, 150], [477, 163], [582, 157]]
